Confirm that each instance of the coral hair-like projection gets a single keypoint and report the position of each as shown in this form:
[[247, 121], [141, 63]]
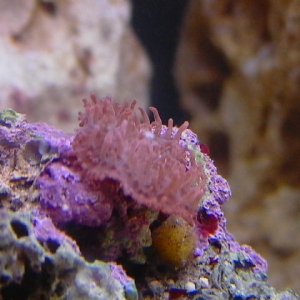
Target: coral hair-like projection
[[150, 161]]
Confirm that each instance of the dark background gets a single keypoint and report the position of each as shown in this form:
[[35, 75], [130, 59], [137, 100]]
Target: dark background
[[157, 25]]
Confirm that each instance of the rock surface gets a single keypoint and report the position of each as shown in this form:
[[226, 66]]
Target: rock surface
[[63, 221]]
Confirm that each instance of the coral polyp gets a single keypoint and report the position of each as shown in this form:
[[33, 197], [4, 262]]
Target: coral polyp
[[146, 158]]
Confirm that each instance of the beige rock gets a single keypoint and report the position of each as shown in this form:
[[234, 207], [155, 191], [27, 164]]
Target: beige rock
[[61, 51], [238, 72], [15, 15]]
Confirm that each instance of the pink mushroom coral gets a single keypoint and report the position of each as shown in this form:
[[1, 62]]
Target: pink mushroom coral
[[149, 160]]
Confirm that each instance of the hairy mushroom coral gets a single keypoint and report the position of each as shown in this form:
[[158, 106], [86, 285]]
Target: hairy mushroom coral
[[150, 161]]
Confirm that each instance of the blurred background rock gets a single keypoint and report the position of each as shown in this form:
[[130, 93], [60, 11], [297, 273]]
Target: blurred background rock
[[54, 53], [231, 67], [238, 73]]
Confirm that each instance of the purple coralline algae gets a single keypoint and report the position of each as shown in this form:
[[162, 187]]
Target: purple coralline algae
[[66, 198], [43, 263], [123, 195]]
